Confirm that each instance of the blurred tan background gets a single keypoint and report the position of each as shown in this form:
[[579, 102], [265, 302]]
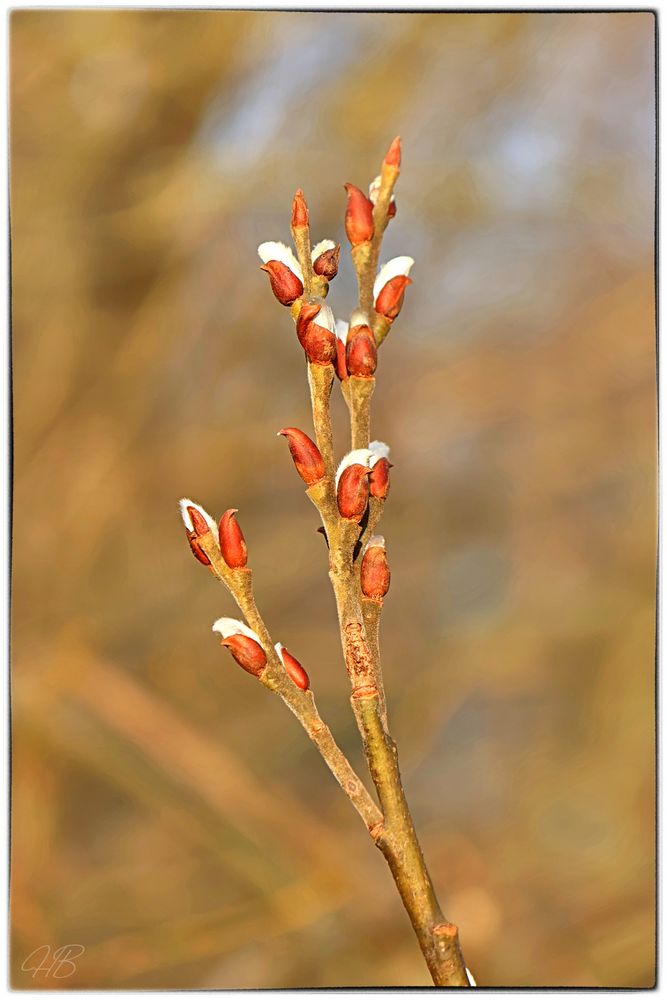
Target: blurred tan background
[[168, 813]]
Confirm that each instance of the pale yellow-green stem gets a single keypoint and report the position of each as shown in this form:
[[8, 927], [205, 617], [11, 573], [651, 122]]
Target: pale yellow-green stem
[[396, 836]]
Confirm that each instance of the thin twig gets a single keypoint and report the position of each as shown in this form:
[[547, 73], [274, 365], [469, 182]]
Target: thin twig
[[301, 703]]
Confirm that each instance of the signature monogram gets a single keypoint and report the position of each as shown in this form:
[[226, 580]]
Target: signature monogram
[[58, 963]]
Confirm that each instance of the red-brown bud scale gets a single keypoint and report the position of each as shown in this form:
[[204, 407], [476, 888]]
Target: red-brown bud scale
[[326, 264], [390, 300], [299, 211], [318, 342], [305, 454], [197, 550], [352, 492], [379, 480], [247, 653], [294, 670], [200, 525], [361, 352], [285, 284], [375, 573], [358, 216], [232, 542], [393, 155]]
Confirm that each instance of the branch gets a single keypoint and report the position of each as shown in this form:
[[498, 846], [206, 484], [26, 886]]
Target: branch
[[274, 677]]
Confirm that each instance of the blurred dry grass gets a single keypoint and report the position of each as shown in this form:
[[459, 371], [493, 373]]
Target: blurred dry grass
[[169, 815]]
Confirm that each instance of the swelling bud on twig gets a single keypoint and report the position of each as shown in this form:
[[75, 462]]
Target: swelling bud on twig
[[293, 668], [284, 271], [300, 216], [375, 574], [393, 154], [317, 336], [305, 454], [340, 366], [232, 542], [390, 285], [243, 644], [197, 523], [360, 351], [352, 488], [195, 518], [325, 259], [380, 466], [358, 216]]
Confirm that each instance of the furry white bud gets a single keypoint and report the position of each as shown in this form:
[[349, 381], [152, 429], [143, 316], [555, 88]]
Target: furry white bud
[[273, 250], [342, 330], [360, 456], [378, 450], [374, 190], [325, 318], [392, 269], [358, 318], [227, 627], [321, 248], [187, 520]]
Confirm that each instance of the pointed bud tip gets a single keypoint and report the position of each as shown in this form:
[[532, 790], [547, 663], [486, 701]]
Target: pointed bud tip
[[393, 157], [299, 210], [232, 543]]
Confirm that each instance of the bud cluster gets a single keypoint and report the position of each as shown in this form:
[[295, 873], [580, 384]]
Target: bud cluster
[[362, 474], [300, 280]]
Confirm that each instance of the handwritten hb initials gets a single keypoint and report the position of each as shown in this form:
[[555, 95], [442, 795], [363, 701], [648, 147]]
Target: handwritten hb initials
[[58, 963]]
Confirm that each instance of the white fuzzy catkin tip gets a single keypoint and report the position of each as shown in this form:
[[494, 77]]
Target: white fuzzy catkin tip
[[392, 269], [374, 190], [279, 650], [376, 542], [360, 456], [227, 627], [342, 330], [358, 318], [379, 450], [470, 977], [273, 250], [321, 248], [325, 318], [187, 520]]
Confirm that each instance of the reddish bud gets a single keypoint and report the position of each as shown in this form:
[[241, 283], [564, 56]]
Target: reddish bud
[[358, 216], [293, 668], [390, 300], [360, 352], [393, 157], [391, 211], [326, 264], [379, 479], [232, 542], [285, 284], [340, 366], [247, 653], [199, 523], [375, 574], [197, 550], [306, 455], [319, 342], [299, 211], [352, 492]]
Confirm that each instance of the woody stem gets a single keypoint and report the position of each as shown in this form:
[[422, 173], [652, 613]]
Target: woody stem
[[396, 837]]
